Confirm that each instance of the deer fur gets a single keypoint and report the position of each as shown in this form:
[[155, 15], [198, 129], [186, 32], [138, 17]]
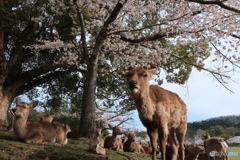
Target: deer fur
[[7, 128], [3, 127], [147, 149], [36, 132], [96, 143], [61, 133], [48, 117], [131, 145], [214, 144], [112, 142], [162, 112], [192, 152], [98, 136], [96, 148]]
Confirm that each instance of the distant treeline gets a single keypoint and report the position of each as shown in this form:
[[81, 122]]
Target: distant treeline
[[224, 121], [224, 126]]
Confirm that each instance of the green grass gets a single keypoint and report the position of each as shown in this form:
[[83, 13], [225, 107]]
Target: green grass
[[234, 149], [76, 149]]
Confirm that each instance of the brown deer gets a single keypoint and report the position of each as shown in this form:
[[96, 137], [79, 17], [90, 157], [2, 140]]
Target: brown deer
[[131, 145], [215, 144], [61, 133], [147, 149], [112, 142], [98, 136], [97, 143], [192, 152], [36, 132], [162, 112], [48, 117]]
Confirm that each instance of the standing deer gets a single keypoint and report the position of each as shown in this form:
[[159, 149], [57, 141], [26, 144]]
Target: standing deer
[[162, 112]]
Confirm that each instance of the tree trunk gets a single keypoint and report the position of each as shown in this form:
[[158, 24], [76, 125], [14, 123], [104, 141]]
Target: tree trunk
[[5, 102], [87, 121]]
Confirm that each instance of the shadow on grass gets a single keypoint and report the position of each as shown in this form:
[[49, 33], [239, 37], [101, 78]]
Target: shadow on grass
[[57, 153], [7, 135]]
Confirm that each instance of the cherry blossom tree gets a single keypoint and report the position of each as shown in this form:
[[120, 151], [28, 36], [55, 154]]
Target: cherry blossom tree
[[33, 42], [144, 33], [101, 38]]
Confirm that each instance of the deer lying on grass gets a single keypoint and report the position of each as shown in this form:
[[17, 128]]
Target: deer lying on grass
[[36, 132], [61, 132], [97, 143], [96, 148], [112, 142], [192, 152], [215, 144], [131, 145], [48, 117], [162, 112], [98, 135]]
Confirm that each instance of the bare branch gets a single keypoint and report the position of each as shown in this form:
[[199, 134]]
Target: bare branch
[[234, 64], [221, 82]]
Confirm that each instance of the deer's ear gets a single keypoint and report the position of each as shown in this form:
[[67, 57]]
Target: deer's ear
[[145, 67], [152, 71], [34, 104], [130, 68], [110, 126], [18, 101]]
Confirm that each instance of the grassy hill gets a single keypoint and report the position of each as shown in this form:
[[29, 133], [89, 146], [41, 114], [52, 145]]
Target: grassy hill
[[76, 149], [224, 121]]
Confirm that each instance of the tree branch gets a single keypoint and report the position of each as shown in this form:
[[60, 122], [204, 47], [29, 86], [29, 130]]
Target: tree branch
[[220, 3], [234, 64], [24, 37], [215, 74], [103, 32], [83, 33], [199, 67], [37, 81], [31, 75]]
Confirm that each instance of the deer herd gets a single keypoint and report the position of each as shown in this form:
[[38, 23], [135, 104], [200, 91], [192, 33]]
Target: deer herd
[[162, 112]]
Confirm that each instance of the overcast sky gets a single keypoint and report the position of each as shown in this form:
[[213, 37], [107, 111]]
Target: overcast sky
[[205, 97]]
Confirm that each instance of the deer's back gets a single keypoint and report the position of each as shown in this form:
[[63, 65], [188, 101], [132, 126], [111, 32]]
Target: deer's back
[[166, 98], [46, 129], [168, 105]]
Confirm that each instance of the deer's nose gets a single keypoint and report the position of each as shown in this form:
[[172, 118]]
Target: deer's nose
[[132, 84]]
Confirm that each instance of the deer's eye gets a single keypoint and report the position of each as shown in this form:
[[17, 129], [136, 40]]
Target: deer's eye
[[145, 75], [128, 75]]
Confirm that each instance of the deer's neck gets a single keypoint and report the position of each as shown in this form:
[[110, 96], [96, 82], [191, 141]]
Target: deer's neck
[[20, 127], [145, 105], [114, 136]]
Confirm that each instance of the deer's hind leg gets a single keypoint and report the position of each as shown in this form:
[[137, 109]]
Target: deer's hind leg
[[152, 133], [162, 137], [35, 138], [180, 133], [173, 144]]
